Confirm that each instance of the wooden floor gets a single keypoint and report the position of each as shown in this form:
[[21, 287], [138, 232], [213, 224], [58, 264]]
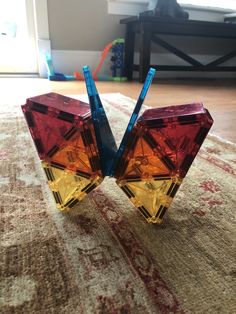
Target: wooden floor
[[218, 96]]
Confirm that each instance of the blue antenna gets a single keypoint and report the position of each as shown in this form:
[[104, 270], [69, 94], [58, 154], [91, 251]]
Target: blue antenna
[[132, 120], [105, 140]]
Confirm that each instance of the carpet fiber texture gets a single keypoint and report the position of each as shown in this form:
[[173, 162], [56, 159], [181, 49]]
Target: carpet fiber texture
[[102, 257]]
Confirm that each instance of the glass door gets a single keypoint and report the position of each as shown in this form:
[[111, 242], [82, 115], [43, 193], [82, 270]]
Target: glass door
[[18, 52]]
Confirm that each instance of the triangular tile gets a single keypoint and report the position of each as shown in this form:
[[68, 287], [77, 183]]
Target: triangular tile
[[50, 117], [63, 132], [47, 131], [68, 187], [151, 197], [78, 152], [140, 160], [177, 132]]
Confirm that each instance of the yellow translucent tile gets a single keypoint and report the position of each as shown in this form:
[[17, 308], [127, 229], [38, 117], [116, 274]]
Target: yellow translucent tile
[[152, 197], [69, 187]]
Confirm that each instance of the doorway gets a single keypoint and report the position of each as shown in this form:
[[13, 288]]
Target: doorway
[[18, 52]]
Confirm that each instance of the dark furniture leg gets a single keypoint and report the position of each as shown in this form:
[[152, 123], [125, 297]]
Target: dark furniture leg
[[145, 51], [129, 52]]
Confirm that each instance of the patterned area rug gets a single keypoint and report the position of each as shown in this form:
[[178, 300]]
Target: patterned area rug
[[102, 257]]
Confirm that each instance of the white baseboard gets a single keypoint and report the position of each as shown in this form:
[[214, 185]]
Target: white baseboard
[[44, 46], [69, 61]]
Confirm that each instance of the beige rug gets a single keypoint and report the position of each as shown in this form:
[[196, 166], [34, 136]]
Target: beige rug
[[103, 257]]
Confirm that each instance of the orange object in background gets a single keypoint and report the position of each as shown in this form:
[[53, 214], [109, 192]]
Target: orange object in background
[[106, 50]]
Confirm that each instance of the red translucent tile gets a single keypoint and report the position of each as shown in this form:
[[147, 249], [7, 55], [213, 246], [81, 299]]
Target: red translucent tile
[[165, 142], [46, 130], [63, 132], [177, 132], [75, 109], [156, 114]]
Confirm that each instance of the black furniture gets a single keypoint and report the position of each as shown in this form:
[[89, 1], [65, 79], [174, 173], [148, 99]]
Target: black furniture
[[150, 27]]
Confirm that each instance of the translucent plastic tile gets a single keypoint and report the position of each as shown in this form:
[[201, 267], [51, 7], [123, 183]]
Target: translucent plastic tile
[[68, 187], [47, 130], [140, 159], [177, 145], [152, 197], [105, 139], [78, 151], [165, 141], [68, 108], [124, 146], [188, 112], [177, 132], [50, 117], [66, 137]]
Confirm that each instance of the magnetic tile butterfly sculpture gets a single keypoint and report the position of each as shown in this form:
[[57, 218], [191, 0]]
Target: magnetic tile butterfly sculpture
[[77, 148]]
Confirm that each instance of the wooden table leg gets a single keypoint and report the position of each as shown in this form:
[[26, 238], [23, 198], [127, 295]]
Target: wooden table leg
[[129, 52], [145, 51]]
